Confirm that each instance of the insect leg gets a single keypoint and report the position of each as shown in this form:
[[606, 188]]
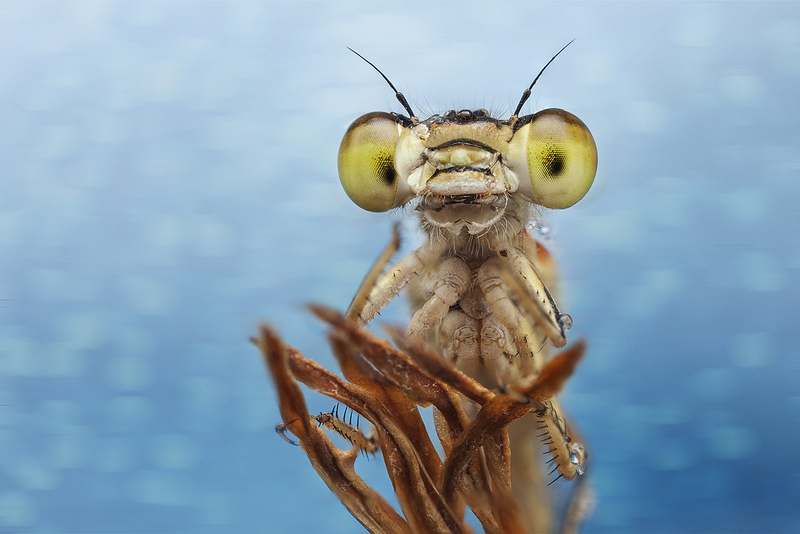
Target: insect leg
[[568, 454], [458, 338], [281, 430], [507, 314], [525, 283], [445, 284], [364, 309], [361, 297], [353, 434], [499, 353]]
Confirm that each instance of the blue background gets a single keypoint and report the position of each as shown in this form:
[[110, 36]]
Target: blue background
[[169, 180]]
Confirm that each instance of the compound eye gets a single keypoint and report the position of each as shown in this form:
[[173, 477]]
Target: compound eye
[[556, 151], [366, 162]]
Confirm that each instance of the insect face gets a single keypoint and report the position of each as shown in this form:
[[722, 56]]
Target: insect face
[[467, 158]]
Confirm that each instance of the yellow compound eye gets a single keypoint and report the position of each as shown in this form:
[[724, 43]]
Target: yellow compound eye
[[366, 162], [556, 152]]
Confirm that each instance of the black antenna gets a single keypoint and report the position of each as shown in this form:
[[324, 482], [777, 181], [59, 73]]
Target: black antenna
[[527, 93], [397, 93]]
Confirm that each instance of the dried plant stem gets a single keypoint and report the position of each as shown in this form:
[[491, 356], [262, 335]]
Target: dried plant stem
[[386, 386]]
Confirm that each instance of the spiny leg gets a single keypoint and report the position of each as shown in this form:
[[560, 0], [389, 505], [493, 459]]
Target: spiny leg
[[568, 454], [523, 280], [571, 456], [346, 429]]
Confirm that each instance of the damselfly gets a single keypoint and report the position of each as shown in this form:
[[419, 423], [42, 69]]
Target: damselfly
[[476, 347]]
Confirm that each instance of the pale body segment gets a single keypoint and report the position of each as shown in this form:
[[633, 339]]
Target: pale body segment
[[480, 284]]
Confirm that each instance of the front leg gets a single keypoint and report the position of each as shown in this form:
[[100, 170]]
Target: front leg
[[441, 288], [374, 294], [361, 297], [506, 313], [527, 286]]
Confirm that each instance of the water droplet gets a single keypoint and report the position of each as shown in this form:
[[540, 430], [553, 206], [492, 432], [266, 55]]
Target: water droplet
[[565, 321], [541, 228], [577, 457]]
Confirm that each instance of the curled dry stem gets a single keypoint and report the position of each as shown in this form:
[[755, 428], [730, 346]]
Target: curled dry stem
[[335, 467], [386, 386]]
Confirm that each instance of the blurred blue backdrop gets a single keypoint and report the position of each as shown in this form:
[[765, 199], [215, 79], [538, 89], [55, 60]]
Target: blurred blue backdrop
[[168, 177]]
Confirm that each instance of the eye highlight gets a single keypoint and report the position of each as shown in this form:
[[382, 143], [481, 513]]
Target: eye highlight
[[555, 157], [366, 162]]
